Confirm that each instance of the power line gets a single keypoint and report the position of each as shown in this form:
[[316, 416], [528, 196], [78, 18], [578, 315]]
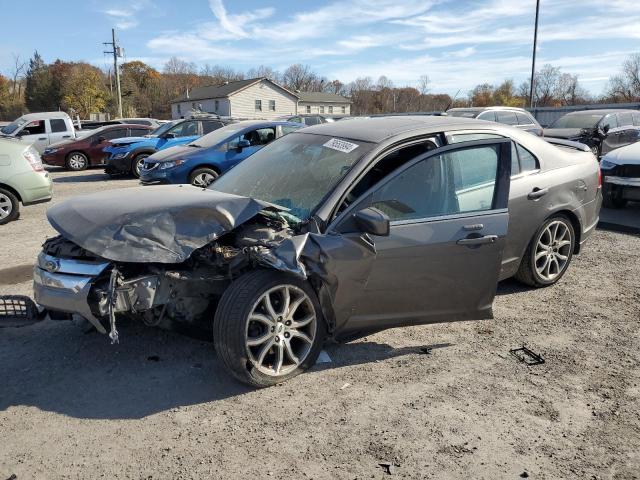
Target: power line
[[116, 51]]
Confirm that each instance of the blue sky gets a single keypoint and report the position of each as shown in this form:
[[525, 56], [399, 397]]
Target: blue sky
[[457, 43]]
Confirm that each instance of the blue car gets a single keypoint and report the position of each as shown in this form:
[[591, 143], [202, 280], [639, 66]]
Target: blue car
[[126, 155], [202, 161]]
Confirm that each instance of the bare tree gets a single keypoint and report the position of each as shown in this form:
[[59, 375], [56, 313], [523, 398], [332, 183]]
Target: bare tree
[[177, 66], [266, 72], [19, 66], [299, 77], [625, 87], [546, 85], [423, 84]]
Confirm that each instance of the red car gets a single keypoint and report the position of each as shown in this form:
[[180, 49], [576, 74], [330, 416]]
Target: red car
[[86, 149]]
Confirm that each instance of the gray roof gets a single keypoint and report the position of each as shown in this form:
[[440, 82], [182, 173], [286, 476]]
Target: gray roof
[[380, 128], [221, 91], [601, 111], [321, 97]]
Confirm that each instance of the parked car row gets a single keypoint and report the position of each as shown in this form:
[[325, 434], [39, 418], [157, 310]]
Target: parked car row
[[336, 230]]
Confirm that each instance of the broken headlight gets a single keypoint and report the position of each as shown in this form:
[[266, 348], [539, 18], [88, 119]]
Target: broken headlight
[[174, 163]]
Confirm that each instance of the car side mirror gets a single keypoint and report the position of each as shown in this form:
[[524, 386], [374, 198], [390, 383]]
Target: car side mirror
[[372, 221], [244, 143], [22, 133], [167, 136], [101, 139], [605, 128]]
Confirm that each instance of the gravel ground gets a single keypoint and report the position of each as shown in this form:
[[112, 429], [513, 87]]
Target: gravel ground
[[158, 405]]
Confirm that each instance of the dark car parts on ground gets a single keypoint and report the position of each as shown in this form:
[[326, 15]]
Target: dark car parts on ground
[[515, 117], [87, 149], [621, 176], [335, 231], [602, 130], [127, 155], [205, 159]]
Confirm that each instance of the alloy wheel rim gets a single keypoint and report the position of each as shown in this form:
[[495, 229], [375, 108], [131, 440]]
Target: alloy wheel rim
[[280, 330], [77, 161], [6, 207], [553, 250], [140, 163], [203, 179]]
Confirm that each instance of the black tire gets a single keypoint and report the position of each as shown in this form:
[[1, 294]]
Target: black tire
[[199, 173], [77, 161], [137, 162], [230, 326], [9, 206], [527, 272]]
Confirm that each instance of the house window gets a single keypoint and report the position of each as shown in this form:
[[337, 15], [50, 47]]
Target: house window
[[308, 108], [331, 109], [258, 105], [217, 103], [179, 109], [272, 105], [321, 109], [344, 109]]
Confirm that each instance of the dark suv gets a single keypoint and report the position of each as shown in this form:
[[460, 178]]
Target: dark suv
[[602, 130], [516, 117]]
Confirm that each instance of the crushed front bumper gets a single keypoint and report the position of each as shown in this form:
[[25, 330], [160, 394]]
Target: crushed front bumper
[[64, 285]]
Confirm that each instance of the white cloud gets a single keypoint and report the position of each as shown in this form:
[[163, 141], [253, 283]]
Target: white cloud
[[124, 17]]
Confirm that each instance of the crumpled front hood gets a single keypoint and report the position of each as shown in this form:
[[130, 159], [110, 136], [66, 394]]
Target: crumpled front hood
[[562, 132], [129, 140], [162, 224]]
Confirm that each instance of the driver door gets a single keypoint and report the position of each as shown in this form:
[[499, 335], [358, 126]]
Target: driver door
[[35, 133], [449, 219]]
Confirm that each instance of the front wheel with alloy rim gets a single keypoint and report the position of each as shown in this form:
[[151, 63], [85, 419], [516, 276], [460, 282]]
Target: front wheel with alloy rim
[[77, 161], [268, 327], [137, 163], [549, 253], [9, 206], [202, 177]]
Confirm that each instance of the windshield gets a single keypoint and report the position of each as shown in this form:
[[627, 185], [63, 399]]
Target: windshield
[[296, 171], [463, 113], [577, 121], [217, 136], [12, 127], [162, 128]]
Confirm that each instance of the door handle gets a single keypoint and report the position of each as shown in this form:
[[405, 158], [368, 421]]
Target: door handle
[[471, 241], [42, 138], [66, 136], [537, 193]]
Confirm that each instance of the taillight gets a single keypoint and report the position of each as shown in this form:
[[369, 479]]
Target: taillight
[[599, 176], [32, 156]]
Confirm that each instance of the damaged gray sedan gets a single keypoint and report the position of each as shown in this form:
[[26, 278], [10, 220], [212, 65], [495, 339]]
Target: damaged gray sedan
[[336, 231]]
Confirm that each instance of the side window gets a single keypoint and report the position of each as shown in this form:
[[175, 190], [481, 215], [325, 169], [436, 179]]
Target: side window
[[344, 109], [508, 118], [528, 162], [311, 120], [139, 132], [490, 116], [258, 105], [34, 128], [470, 137], [288, 129], [210, 126], [295, 119], [272, 105], [454, 182], [330, 109], [321, 109], [625, 119], [308, 109], [515, 165], [185, 129], [261, 136], [524, 119], [609, 120], [114, 133], [58, 125]]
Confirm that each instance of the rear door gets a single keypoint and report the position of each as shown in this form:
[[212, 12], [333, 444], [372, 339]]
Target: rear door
[[59, 129], [612, 140], [100, 140], [449, 220]]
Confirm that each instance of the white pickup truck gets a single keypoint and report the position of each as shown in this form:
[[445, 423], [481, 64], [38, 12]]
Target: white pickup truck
[[41, 129]]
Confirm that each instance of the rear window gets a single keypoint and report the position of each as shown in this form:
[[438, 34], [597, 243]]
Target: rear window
[[508, 118], [208, 126], [524, 119], [58, 125], [528, 162], [625, 119]]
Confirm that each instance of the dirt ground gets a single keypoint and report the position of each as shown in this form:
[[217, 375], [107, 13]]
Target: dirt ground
[[159, 405]]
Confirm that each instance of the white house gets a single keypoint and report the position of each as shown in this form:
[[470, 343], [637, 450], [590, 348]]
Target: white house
[[257, 98]]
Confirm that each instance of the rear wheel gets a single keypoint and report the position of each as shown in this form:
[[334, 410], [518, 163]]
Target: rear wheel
[[137, 163], [268, 328], [549, 253], [9, 206], [202, 177], [77, 161]]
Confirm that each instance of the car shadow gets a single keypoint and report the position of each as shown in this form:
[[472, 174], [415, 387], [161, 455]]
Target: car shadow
[[55, 367], [91, 177], [511, 286]]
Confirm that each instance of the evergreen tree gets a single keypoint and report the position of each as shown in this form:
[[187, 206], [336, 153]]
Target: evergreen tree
[[40, 94]]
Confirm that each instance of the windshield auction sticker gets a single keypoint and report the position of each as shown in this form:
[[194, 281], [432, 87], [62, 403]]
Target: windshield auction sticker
[[341, 145]]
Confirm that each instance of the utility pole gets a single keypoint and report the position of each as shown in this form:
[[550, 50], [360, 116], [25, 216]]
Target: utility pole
[[533, 63], [116, 52]]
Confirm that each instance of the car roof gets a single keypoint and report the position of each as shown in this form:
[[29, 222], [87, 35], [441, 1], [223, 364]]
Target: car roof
[[377, 129], [36, 116], [482, 109], [602, 111]]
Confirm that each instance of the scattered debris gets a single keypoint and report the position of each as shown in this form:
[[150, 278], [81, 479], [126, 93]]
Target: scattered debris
[[426, 350], [13, 477], [527, 356], [153, 358], [387, 467], [344, 386], [524, 475], [323, 357], [17, 311]]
